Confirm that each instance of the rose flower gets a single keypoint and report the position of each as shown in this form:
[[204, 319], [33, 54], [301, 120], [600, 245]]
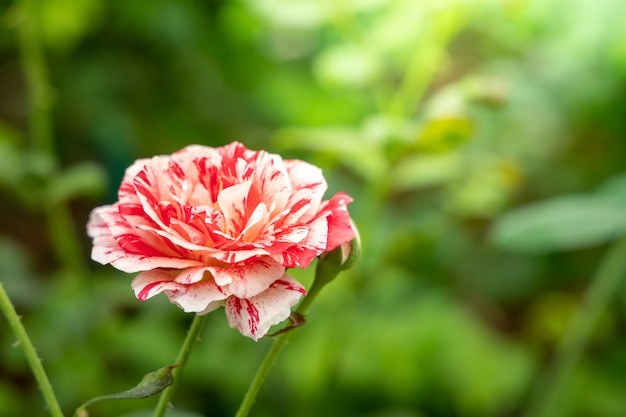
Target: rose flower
[[219, 226]]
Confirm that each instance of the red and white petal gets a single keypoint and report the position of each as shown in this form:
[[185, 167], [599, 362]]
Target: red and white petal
[[201, 297], [193, 275], [339, 229], [255, 223], [232, 202], [314, 244], [249, 280], [298, 208], [127, 193], [306, 176], [271, 182], [254, 316], [107, 250], [150, 283]]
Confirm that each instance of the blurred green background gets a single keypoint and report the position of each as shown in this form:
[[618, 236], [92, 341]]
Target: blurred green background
[[484, 143]]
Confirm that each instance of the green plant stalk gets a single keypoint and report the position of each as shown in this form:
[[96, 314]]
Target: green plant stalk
[[603, 285], [183, 356], [65, 241], [272, 354], [36, 73], [30, 352]]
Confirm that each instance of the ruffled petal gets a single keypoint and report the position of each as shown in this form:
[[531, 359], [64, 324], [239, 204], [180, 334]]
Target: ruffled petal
[[314, 244], [306, 176], [150, 283], [199, 297], [232, 202], [254, 316], [339, 229], [249, 280], [107, 250]]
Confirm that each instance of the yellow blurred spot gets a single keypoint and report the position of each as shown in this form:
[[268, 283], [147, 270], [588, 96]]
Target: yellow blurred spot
[[445, 134]]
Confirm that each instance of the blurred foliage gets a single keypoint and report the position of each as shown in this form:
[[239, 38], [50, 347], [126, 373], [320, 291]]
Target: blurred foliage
[[483, 142]]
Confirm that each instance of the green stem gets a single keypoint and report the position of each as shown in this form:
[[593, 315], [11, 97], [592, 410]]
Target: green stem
[[192, 336], [36, 73], [272, 354], [603, 285], [61, 228], [31, 354]]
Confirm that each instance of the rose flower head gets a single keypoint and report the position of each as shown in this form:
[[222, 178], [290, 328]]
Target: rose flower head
[[220, 226]]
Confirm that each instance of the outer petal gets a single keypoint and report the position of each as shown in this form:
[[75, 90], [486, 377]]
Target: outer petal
[[306, 176], [249, 280], [106, 249], [200, 297], [150, 283], [254, 316], [302, 254], [339, 228]]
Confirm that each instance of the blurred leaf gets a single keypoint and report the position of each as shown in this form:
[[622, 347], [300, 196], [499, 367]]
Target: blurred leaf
[[291, 13], [11, 157], [444, 134], [488, 91], [347, 66], [444, 351], [83, 179], [485, 189], [343, 143], [11, 164], [614, 187], [17, 275], [550, 314], [291, 98], [64, 22], [417, 171], [39, 165], [559, 224]]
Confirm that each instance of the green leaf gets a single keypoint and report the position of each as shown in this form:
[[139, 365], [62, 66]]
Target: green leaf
[[11, 164], [344, 143], [151, 384], [444, 134], [83, 179], [614, 187], [417, 171], [559, 224], [64, 22], [348, 66]]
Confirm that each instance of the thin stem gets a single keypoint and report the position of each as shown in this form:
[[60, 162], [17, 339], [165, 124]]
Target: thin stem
[[62, 232], [272, 354], [36, 73], [192, 336], [603, 285], [261, 374], [31, 355]]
